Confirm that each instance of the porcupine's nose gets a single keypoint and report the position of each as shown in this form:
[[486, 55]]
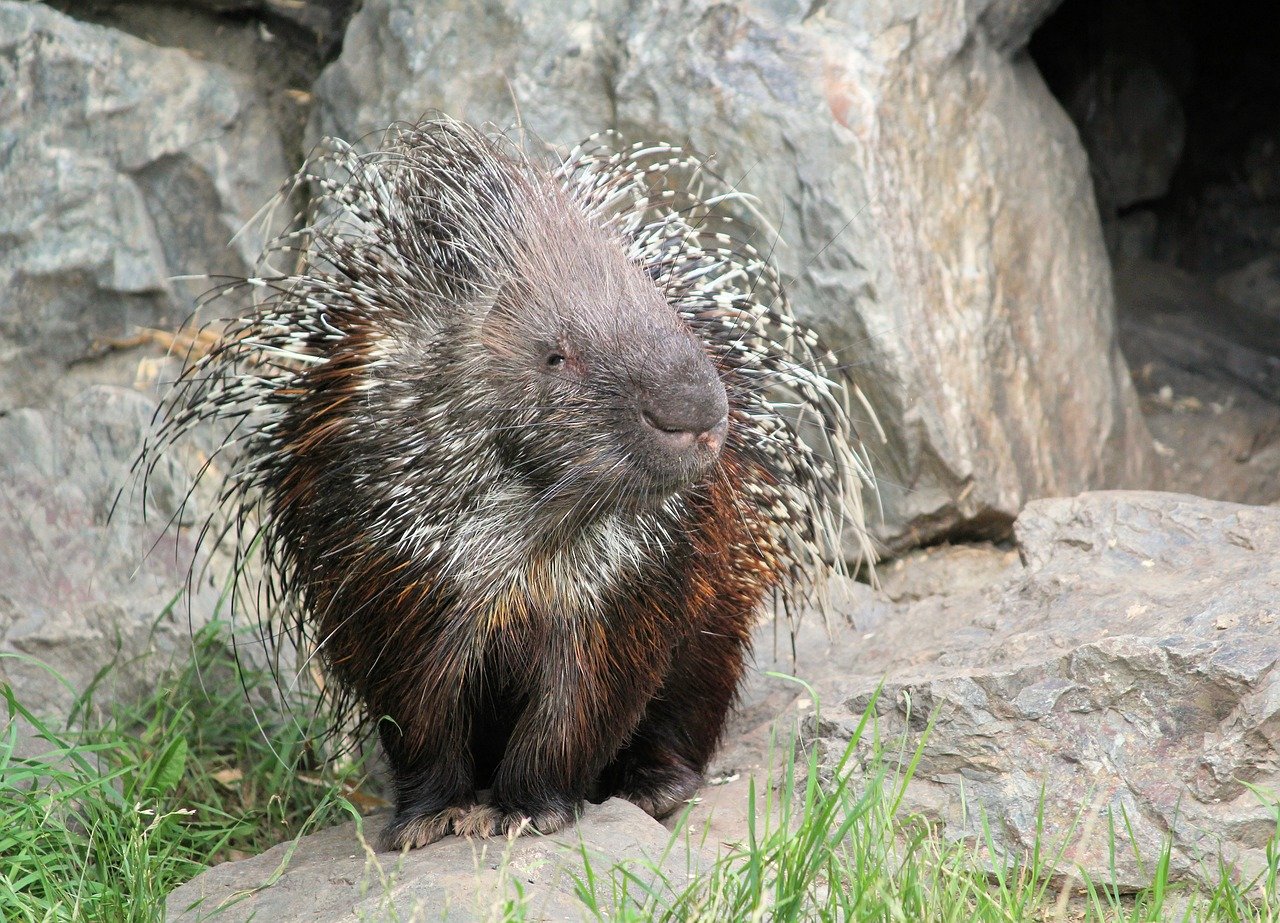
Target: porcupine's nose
[[690, 411]]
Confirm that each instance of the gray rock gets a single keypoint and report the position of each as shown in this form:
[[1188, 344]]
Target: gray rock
[[320, 21], [1125, 675], [933, 200], [336, 874], [1132, 123], [1255, 288], [122, 166], [80, 591]]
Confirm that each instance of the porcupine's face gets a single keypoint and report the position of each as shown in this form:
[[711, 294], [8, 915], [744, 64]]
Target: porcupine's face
[[621, 406]]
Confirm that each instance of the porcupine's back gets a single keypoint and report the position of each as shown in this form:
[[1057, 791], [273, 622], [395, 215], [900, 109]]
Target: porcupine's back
[[375, 418]]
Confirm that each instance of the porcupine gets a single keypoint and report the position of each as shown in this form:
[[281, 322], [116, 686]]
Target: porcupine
[[526, 446]]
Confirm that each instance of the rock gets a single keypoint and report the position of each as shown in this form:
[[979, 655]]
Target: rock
[[1134, 236], [1126, 675], [336, 875], [1133, 126], [1255, 288], [124, 165], [1173, 315], [79, 591], [1203, 381], [933, 200], [1228, 227], [320, 20]]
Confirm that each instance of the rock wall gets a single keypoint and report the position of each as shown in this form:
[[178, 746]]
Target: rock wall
[[122, 166], [125, 165]]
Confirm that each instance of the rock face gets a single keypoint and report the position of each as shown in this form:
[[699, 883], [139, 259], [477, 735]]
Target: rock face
[[123, 165], [335, 876], [1126, 673], [933, 201], [79, 591]]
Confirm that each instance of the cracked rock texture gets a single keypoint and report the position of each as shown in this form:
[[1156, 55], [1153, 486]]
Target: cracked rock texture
[[1125, 672], [122, 165], [334, 876]]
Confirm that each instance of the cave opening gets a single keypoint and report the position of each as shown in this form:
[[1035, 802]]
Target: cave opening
[[1178, 107]]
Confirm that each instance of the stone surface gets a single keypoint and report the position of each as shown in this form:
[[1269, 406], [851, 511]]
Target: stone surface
[[1207, 381], [81, 592], [1255, 288], [1133, 126], [336, 875], [1125, 673], [1119, 663], [123, 165], [320, 21], [933, 201]]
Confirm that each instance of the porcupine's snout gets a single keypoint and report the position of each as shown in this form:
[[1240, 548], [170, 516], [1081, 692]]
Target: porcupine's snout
[[687, 414], [681, 415]]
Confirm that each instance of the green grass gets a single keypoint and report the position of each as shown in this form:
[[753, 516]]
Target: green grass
[[838, 845], [122, 807]]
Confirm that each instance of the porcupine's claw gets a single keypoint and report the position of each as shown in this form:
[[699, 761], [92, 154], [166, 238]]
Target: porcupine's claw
[[488, 820], [660, 792], [420, 830]]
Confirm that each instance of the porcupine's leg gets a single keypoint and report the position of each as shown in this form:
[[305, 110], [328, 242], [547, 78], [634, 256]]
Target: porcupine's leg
[[583, 708], [432, 771], [662, 765], [431, 796]]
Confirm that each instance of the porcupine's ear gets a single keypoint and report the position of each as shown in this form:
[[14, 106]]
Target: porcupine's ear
[[467, 193]]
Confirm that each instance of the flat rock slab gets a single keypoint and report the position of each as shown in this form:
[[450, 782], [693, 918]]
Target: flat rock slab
[[1124, 677], [336, 874]]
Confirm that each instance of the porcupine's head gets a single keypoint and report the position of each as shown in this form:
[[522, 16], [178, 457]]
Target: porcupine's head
[[465, 345], [607, 400]]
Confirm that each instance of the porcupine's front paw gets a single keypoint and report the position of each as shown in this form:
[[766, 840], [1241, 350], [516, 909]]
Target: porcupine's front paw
[[658, 790], [408, 830], [494, 820]]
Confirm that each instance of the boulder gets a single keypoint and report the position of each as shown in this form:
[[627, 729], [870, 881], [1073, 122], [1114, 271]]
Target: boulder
[[1122, 679], [934, 205], [124, 165]]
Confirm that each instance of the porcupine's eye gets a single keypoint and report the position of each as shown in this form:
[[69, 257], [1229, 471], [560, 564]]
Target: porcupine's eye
[[554, 360]]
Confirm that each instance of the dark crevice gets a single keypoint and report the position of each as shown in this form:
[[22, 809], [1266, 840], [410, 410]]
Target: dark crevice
[[1177, 103]]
